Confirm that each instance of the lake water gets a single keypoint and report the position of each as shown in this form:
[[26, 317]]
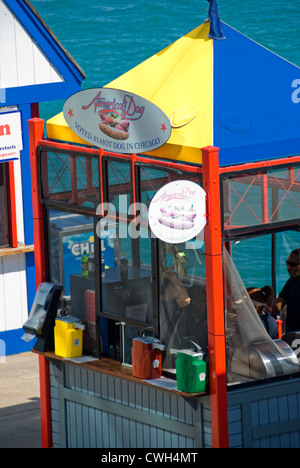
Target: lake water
[[109, 38]]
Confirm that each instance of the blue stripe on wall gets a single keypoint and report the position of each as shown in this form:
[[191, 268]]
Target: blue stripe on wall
[[26, 175], [31, 280], [11, 343], [38, 93]]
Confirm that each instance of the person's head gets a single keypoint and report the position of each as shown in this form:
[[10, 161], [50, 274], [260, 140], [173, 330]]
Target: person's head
[[262, 298], [293, 264]]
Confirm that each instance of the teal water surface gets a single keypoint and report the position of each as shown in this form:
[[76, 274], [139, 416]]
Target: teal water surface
[[108, 38]]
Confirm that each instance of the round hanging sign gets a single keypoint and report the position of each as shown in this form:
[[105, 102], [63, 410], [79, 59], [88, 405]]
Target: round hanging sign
[[177, 212], [116, 120]]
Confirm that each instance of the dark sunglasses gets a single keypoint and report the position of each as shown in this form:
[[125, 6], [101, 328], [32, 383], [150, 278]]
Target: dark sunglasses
[[292, 264]]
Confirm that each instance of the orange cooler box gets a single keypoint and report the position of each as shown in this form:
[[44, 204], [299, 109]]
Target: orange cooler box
[[146, 357]]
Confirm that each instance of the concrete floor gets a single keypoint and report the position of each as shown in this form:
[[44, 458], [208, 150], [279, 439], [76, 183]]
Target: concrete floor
[[20, 402]]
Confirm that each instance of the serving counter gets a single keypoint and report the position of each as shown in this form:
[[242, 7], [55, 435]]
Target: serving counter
[[99, 404]]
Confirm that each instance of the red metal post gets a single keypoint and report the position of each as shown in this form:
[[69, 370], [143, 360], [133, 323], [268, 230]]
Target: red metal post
[[73, 166], [265, 198], [215, 299], [89, 175], [101, 175], [36, 133]]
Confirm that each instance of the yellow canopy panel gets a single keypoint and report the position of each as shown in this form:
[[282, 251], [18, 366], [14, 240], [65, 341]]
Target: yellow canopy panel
[[179, 80]]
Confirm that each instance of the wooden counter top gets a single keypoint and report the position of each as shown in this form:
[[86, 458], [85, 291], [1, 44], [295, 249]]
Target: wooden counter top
[[15, 251], [116, 369]]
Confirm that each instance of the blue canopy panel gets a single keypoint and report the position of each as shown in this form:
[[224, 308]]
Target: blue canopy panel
[[255, 117]]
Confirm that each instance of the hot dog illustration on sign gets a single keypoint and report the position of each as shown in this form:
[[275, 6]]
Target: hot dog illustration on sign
[[117, 120], [177, 212], [114, 126]]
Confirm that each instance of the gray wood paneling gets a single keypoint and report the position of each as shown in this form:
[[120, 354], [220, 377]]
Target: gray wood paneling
[[94, 410], [265, 416]]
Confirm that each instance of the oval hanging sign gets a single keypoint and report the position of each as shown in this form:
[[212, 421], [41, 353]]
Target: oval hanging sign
[[117, 120], [177, 212]]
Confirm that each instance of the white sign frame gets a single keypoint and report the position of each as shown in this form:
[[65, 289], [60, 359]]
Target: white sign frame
[[10, 136], [177, 212], [116, 120]]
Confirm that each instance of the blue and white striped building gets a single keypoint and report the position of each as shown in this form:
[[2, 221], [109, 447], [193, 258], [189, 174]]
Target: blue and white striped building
[[34, 68]]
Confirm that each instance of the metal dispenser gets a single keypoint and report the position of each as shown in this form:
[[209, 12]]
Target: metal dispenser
[[264, 360], [68, 336], [41, 320], [191, 369], [146, 355], [293, 340]]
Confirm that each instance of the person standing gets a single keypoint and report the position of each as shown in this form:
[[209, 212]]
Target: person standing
[[290, 294], [262, 300]]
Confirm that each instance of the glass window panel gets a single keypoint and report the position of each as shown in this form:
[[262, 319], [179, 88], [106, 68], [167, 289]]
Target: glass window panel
[[242, 199], [266, 197], [4, 227], [126, 286], [152, 179], [119, 185], [257, 270], [252, 353], [182, 287], [71, 239], [286, 242], [286, 194], [70, 179]]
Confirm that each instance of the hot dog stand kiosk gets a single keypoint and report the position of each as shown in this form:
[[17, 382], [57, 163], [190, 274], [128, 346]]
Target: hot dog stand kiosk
[[234, 133]]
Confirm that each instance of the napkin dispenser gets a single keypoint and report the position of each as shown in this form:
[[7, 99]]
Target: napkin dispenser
[[41, 319]]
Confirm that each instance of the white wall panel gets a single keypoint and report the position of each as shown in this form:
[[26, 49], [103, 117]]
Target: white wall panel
[[8, 64], [22, 63], [24, 56], [42, 71], [13, 292]]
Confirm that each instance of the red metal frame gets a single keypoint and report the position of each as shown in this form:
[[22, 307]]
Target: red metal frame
[[158, 162], [215, 299], [260, 164], [73, 193], [36, 131], [266, 179]]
